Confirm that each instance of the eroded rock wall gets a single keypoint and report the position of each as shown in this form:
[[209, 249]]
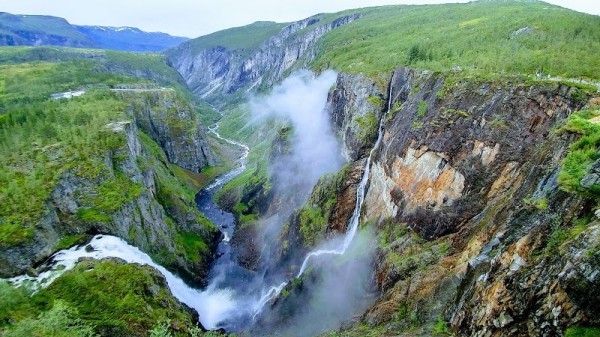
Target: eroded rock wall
[[464, 190]]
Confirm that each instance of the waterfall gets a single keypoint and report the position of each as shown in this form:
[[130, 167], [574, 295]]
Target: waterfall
[[355, 219], [274, 291]]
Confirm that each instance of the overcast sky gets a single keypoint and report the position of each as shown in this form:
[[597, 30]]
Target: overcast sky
[[194, 18]]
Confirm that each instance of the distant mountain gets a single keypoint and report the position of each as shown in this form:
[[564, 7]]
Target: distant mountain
[[41, 30], [38, 30], [129, 38]]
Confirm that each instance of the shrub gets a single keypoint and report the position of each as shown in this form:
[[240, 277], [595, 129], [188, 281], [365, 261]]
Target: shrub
[[60, 321]]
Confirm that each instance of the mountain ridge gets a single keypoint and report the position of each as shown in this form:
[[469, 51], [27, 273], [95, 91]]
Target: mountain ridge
[[45, 30]]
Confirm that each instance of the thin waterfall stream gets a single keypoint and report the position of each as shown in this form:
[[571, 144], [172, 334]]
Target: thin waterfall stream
[[274, 291]]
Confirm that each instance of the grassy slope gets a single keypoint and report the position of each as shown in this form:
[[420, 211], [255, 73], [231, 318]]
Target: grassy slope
[[41, 138], [475, 35], [242, 39], [105, 297]]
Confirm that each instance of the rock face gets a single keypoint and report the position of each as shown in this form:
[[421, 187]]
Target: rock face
[[356, 106], [448, 152], [215, 72], [472, 158], [464, 190], [173, 124], [124, 199]]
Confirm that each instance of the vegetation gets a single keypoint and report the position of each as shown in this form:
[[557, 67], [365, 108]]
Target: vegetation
[[582, 153], [312, 225], [559, 235], [42, 139], [540, 203], [70, 241], [441, 328], [368, 126], [101, 65], [106, 297], [108, 197], [582, 332], [60, 321], [422, 109], [317, 213], [194, 247], [241, 39], [488, 36]]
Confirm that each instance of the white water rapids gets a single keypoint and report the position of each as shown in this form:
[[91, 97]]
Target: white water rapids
[[210, 305]]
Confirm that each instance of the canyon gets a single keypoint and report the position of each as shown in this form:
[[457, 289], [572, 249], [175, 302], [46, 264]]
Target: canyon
[[416, 199]]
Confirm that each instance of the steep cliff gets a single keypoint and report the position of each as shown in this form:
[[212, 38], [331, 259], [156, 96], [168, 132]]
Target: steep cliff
[[474, 228], [172, 123], [214, 72], [109, 161], [356, 105], [130, 196]]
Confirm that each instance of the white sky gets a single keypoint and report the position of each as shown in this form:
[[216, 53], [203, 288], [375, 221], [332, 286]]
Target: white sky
[[194, 18]]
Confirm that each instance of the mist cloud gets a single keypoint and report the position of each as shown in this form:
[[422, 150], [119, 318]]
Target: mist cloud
[[336, 286], [302, 99]]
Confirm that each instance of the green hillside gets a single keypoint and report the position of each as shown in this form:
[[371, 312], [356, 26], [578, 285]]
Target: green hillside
[[244, 38], [149, 66], [491, 36], [41, 138]]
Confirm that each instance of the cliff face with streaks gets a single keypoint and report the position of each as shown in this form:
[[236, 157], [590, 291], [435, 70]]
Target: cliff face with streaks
[[474, 228], [219, 71]]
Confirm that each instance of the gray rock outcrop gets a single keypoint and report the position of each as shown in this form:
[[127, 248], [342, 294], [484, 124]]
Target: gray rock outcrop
[[173, 124]]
